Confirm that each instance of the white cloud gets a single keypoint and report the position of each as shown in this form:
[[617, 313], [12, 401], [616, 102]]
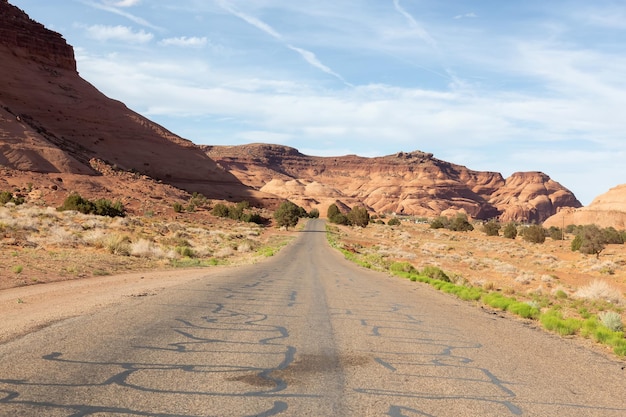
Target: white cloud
[[122, 3], [183, 41], [470, 15], [118, 33]]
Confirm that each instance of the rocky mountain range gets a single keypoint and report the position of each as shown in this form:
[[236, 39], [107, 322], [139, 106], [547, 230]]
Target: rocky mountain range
[[413, 183], [59, 134]]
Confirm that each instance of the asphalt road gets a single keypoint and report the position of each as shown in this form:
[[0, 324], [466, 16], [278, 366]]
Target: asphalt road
[[303, 334]]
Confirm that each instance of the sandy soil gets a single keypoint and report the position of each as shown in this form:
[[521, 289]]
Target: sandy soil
[[25, 309]]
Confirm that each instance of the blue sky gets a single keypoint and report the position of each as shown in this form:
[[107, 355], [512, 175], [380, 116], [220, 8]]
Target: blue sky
[[496, 85]]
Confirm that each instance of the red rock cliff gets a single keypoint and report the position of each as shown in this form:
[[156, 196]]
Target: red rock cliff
[[29, 39]]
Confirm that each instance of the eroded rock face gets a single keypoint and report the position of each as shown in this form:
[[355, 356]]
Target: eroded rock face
[[31, 40], [413, 183], [606, 210], [53, 121]]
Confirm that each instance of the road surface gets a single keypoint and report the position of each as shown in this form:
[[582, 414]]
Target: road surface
[[303, 334]]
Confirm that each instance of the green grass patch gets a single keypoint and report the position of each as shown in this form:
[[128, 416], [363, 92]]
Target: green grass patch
[[497, 300], [553, 321], [195, 262], [524, 310]]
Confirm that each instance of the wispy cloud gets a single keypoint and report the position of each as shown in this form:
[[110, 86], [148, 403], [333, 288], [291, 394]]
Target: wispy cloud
[[310, 57], [185, 42], [264, 27], [470, 15], [119, 33], [419, 30], [122, 3], [307, 55], [108, 7]]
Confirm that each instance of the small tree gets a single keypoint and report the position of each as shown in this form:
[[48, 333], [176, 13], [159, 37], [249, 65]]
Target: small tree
[[314, 213], [359, 216], [590, 240], [287, 214], [439, 222], [510, 230], [492, 228], [535, 234], [393, 222], [333, 210], [220, 210], [461, 224], [555, 233]]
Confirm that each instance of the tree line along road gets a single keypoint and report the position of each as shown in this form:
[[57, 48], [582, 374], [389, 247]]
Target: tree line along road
[[305, 333]]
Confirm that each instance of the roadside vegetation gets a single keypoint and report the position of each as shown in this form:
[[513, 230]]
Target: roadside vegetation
[[84, 238], [593, 311]]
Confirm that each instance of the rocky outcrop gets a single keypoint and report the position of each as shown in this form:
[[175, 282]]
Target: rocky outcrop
[[31, 40], [606, 210], [413, 183], [53, 121], [532, 196]]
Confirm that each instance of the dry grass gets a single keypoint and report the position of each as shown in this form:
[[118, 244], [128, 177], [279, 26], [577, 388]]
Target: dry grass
[[47, 245], [548, 273], [600, 290]]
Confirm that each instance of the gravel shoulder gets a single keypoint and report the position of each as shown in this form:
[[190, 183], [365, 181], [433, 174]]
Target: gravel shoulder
[[26, 309]]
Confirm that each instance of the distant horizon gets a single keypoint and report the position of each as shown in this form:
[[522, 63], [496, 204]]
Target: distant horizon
[[497, 87]]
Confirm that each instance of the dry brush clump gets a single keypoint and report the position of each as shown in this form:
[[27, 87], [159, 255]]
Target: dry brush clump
[[51, 245], [600, 290]]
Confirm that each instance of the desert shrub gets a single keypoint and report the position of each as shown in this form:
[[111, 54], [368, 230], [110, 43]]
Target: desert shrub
[[178, 208], [510, 231], [555, 233], [339, 218], [402, 267], [118, 245], [220, 210], [612, 236], [185, 251], [332, 211], [253, 218], [460, 224], [144, 248], [358, 216], [314, 213], [198, 200], [434, 273], [612, 321], [392, 222], [237, 212], [599, 290], [492, 228], [288, 214], [534, 234], [440, 222], [105, 207], [560, 294], [100, 207], [8, 197], [591, 240]]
